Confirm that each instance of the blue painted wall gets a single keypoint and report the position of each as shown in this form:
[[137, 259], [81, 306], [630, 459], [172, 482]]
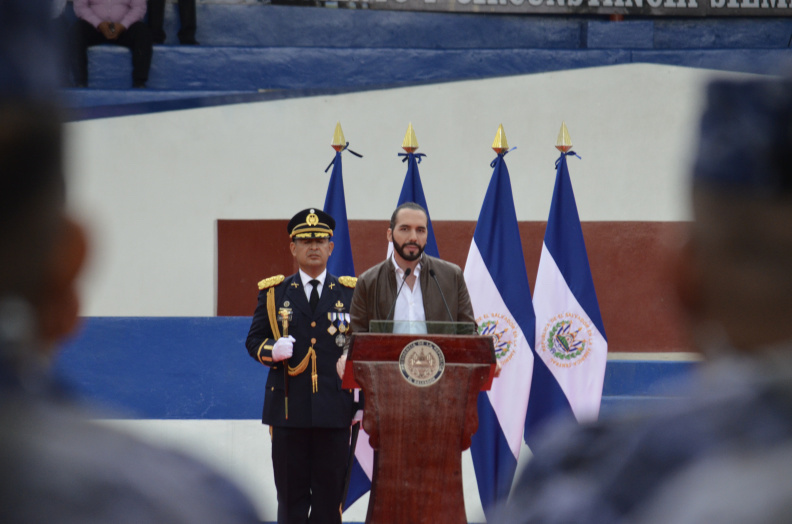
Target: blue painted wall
[[166, 368], [198, 368]]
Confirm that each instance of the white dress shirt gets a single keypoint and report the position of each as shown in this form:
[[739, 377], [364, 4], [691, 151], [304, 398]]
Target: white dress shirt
[[408, 315], [306, 282]]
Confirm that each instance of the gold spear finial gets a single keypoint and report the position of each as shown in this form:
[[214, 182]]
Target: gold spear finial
[[563, 142], [500, 145], [410, 143], [338, 138]]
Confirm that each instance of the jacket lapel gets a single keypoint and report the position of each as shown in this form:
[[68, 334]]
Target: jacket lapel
[[387, 289], [327, 298], [295, 294], [429, 295], [434, 309]]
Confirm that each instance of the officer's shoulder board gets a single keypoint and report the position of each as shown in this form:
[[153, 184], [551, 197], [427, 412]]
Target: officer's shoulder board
[[270, 281], [348, 281]]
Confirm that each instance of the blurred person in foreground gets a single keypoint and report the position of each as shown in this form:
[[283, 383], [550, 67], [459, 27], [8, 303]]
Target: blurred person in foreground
[[55, 464], [722, 455]]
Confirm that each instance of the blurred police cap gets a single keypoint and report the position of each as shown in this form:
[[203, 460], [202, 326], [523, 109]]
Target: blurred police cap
[[745, 142], [29, 59]]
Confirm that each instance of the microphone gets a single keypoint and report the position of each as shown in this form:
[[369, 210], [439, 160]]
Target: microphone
[[406, 274], [432, 274]]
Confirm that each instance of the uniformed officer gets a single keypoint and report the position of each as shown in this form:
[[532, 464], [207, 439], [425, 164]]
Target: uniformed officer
[[298, 330]]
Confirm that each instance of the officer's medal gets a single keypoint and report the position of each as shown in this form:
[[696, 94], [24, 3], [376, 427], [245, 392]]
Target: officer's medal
[[339, 323]]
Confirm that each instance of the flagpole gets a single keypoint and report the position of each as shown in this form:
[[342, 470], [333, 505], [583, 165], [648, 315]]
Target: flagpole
[[341, 262]]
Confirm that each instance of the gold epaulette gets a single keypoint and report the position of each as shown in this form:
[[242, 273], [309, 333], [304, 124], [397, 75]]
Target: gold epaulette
[[270, 281], [348, 281]]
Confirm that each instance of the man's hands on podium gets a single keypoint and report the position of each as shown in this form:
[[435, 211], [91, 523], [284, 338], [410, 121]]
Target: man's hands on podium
[[283, 349]]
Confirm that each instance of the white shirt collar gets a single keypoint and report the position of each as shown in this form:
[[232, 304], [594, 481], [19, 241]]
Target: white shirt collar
[[400, 271], [306, 279]]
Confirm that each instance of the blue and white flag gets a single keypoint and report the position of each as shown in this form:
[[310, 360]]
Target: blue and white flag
[[340, 262], [498, 284], [570, 338], [412, 191], [362, 470]]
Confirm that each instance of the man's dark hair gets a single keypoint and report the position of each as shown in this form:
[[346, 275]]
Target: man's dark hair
[[407, 205]]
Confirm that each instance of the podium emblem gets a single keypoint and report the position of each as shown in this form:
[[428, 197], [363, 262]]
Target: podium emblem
[[422, 363]]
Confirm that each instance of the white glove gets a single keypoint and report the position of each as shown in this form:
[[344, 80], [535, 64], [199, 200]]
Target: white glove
[[341, 365], [283, 348]]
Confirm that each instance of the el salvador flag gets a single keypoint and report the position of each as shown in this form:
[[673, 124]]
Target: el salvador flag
[[412, 191], [570, 336], [340, 263], [498, 284]]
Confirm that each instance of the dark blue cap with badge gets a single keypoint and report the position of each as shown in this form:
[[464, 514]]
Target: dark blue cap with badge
[[311, 223], [745, 143]]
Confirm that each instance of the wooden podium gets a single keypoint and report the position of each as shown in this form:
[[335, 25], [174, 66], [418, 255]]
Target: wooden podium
[[419, 424]]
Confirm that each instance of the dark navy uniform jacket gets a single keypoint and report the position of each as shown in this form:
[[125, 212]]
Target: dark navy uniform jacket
[[330, 406]]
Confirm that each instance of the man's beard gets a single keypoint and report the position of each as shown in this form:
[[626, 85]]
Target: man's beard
[[407, 256]]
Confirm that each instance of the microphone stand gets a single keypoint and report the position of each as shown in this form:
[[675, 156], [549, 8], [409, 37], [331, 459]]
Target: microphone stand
[[407, 273], [442, 295]]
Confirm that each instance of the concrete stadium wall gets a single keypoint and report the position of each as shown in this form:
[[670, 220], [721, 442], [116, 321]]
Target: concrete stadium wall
[[152, 186], [254, 47]]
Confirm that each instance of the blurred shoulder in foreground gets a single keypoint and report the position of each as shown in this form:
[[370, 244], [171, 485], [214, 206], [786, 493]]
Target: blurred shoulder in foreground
[[56, 465]]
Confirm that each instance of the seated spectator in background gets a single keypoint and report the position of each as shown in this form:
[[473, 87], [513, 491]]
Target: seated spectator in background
[[55, 464], [111, 22], [187, 19], [724, 454]]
